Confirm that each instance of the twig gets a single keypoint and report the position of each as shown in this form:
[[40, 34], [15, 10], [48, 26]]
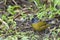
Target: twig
[[4, 23], [5, 1], [15, 2], [17, 16]]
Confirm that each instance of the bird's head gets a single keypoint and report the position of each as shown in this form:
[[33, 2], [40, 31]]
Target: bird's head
[[34, 19]]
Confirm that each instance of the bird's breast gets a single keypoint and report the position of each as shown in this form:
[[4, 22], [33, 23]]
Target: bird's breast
[[39, 25]]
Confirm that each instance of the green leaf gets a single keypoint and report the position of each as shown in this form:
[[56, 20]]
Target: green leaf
[[56, 2], [11, 9], [24, 38], [37, 3]]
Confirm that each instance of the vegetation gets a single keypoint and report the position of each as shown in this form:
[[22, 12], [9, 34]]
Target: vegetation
[[16, 16]]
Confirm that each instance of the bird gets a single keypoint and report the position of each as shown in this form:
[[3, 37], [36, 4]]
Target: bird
[[39, 25]]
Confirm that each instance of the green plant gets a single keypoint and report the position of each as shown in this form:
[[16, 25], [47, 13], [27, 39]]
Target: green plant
[[56, 2], [11, 9], [9, 20], [11, 38], [3, 25], [37, 3]]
